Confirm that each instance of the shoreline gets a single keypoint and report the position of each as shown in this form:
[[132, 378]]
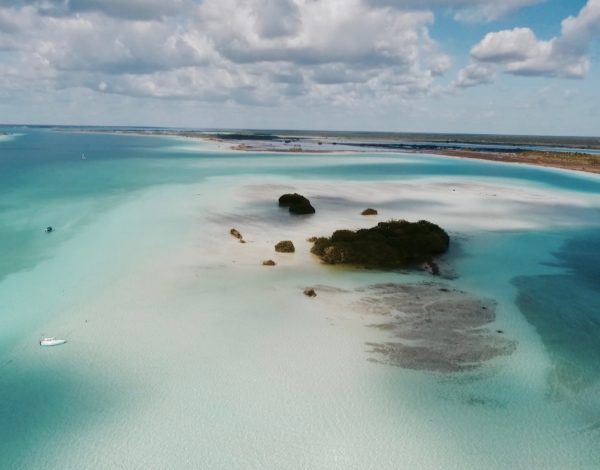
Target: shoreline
[[570, 161], [591, 164], [535, 158]]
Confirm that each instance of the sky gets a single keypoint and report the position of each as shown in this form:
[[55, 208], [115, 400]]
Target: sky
[[482, 66]]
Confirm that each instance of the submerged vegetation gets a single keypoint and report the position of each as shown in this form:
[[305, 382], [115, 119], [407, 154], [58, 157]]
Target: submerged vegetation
[[392, 244]]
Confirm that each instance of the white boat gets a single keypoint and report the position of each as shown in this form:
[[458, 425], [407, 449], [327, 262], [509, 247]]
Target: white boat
[[52, 341]]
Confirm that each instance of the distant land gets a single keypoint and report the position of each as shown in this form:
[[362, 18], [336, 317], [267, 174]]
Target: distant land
[[578, 153]]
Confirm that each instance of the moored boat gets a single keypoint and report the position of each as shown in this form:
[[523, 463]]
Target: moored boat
[[52, 341]]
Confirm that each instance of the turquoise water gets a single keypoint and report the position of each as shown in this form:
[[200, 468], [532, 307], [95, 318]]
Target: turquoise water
[[184, 352]]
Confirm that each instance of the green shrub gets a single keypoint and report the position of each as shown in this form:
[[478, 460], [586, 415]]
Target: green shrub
[[392, 244]]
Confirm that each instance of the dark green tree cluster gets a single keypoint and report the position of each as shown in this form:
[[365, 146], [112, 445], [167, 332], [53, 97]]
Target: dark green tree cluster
[[393, 244]]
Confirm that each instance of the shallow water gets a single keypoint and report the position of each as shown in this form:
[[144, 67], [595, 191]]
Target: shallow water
[[185, 352]]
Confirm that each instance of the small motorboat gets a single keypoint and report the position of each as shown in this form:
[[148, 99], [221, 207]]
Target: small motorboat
[[52, 341]]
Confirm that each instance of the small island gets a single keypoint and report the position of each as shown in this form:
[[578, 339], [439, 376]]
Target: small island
[[369, 211], [389, 245], [285, 246]]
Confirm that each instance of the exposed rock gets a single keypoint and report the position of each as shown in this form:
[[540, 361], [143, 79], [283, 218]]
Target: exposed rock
[[297, 204], [285, 246], [49, 229], [392, 244], [302, 209], [369, 211], [269, 262], [432, 267], [310, 292], [234, 233], [289, 199]]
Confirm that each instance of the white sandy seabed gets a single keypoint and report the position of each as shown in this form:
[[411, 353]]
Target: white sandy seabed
[[185, 352]]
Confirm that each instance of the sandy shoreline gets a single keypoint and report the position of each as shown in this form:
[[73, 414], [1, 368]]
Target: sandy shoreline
[[580, 162], [573, 161]]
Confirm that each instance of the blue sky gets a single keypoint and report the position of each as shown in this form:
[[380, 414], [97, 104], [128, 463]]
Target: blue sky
[[516, 66]]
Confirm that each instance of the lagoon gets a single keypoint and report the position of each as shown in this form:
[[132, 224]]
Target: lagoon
[[185, 352]]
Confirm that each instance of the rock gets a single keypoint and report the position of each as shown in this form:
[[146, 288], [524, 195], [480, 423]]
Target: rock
[[297, 204], [302, 209], [269, 262], [234, 233], [369, 211], [309, 292], [432, 267], [289, 199], [393, 244], [49, 229], [242, 241], [311, 239], [285, 246]]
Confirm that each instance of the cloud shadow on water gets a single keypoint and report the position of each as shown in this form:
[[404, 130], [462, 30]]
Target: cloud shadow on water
[[44, 409]]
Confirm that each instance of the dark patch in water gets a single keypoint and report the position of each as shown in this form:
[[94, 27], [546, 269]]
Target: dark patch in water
[[437, 330], [473, 400], [565, 311], [43, 402]]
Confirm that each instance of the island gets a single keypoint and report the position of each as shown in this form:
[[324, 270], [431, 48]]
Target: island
[[388, 245]]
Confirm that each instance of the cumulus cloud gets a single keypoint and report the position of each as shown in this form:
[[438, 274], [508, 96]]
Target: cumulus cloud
[[249, 52], [96, 43], [324, 32], [491, 10], [267, 52], [475, 74], [520, 52], [464, 10], [127, 9], [508, 46]]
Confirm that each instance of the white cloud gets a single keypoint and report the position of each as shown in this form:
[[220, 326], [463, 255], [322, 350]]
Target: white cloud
[[475, 74], [491, 10], [464, 10], [345, 31], [520, 52], [509, 46], [251, 51], [127, 9]]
